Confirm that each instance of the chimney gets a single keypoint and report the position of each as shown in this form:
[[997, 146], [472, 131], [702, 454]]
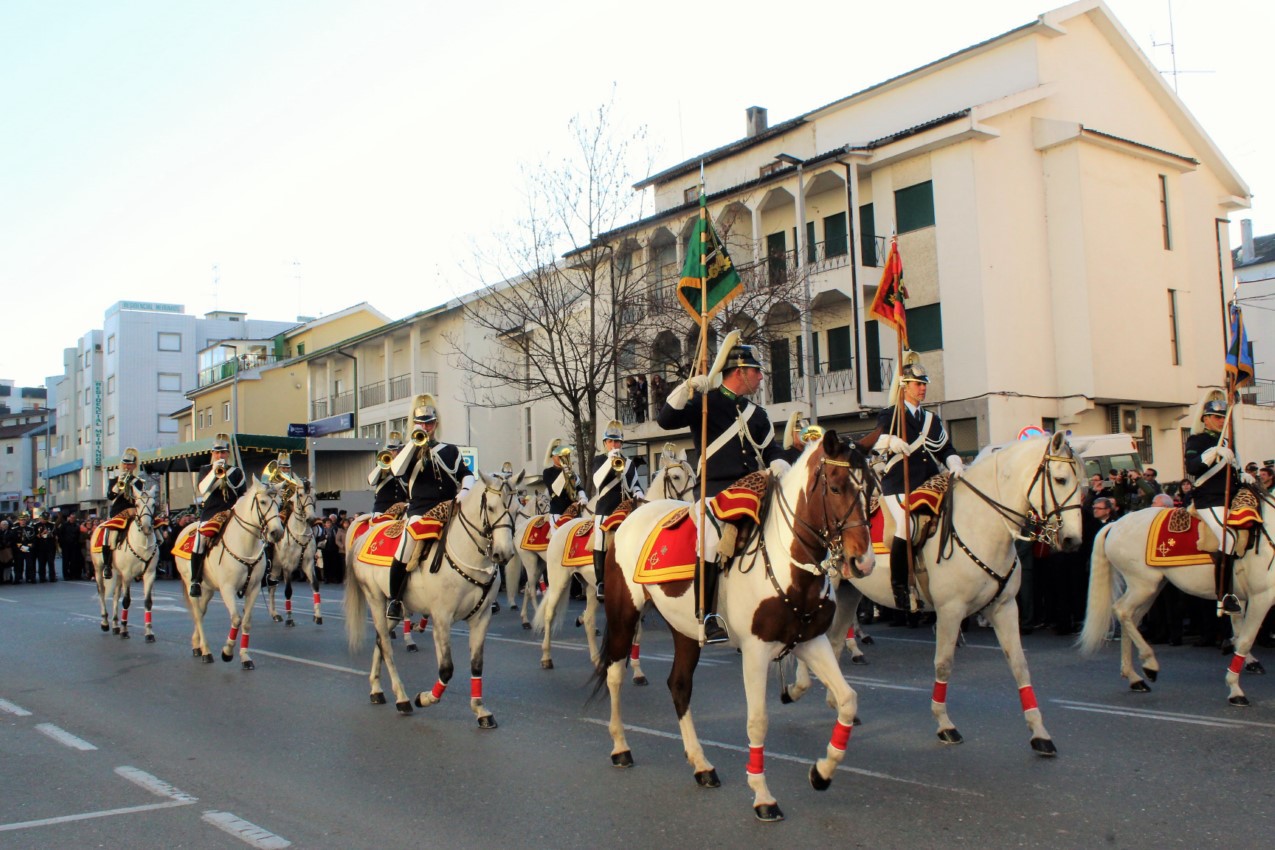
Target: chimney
[[755, 121], [1246, 241]]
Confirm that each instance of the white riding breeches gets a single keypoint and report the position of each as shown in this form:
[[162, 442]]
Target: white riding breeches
[[895, 505], [1212, 517], [406, 543]]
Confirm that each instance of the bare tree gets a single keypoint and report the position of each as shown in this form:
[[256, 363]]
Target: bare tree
[[554, 295]]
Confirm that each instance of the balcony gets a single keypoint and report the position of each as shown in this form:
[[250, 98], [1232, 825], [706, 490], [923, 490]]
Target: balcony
[[372, 394], [400, 387], [429, 383], [342, 403], [318, 409], [233, 366], [1261, 392]]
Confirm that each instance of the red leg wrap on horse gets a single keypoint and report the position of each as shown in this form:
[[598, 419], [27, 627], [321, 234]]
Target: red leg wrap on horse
[[841, 736], [439, 687], [407, 626], [1027, 697], [234, 633], [124, 616], [756, 760], [316, 598], [850, 633], [1237, 664], [148, 618], [940, 692], [476, 687], [287, 605], [243, 641], [635, 651]]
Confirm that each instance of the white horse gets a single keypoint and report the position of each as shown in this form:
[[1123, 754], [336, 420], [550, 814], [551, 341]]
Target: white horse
[[530, 561], [458, 583], [1123, 545], [136, 556], [234, 566], [774, 600], [1027, 489], [674, 481], [295, 551]]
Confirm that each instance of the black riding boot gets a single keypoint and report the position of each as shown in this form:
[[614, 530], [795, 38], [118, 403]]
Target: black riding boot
[[1224, 576], [599, 567], [196, 571], [398, 578], [899, 574], [714, 630], [266, 579], [106, 560]]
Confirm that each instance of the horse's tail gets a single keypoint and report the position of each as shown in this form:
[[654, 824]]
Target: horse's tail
[[1098, 613], [355, 611]]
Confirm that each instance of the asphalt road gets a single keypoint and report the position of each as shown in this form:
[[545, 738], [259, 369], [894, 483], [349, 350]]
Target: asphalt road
[[110, 743]]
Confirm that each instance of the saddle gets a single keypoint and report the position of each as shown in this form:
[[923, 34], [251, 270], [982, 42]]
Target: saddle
[[572, 512]]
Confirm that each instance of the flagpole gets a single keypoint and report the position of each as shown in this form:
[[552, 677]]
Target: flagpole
[[1228, 441], [701, 565]]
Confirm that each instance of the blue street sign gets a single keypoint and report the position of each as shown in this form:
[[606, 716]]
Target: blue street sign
[[298, 429], [332, 424]]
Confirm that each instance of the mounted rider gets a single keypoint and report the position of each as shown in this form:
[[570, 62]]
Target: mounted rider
[[291, 484], [124, 488], [435, 473], [560, 480], [799, 433], [741, 441], [916, 446], [615, 479], [388, 489], [219, 485], [1214, 471]]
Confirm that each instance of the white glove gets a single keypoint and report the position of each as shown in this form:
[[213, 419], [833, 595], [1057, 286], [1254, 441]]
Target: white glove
[[1247, 478], [955, 465], [615, 453], [680, 396], [1217, 454], [894, 445], [582, 499], [704, 383], [778, 467]]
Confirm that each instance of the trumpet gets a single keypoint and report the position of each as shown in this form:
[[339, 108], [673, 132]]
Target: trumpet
[[419, 437], [121, 484], [383, 459], [219, 468], [617, 463]]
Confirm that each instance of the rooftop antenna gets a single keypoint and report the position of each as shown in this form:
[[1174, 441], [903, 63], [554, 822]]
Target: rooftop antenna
[[1173, 51], [216, 282]]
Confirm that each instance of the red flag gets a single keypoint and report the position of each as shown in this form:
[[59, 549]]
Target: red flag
[[887, 305]]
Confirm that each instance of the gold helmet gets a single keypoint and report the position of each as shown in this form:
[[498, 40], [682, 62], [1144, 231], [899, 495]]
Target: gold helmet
[[910, 370], [671, 456], [425, 410], [221, 443], [129, 456], [394, 441], [285, 462], [551, 451], [614, 431], [1212, 404]]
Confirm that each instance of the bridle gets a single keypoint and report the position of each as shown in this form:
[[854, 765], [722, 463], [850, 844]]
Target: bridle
[[830, 535], [264, 517], [671, 490], [152, 545], [476, 534]]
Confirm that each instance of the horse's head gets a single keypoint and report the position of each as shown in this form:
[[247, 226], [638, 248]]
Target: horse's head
[[1049, 472], [492, 502], [832, 510], [146, 501], [263, 508], [674, 481], [303, 504]]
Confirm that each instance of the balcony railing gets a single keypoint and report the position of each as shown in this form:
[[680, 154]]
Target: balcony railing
[[429, 383], [342, 403], [233, 366], [400, 387], [318, 409], [1262, 392], [372, 394]]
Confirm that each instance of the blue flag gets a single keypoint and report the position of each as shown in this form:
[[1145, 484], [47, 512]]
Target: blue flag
[[1239, 351]]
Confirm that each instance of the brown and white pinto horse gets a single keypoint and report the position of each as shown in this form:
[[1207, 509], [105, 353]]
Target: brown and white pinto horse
[[775, 599]]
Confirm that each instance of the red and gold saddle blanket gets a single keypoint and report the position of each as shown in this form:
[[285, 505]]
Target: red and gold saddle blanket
[[579, 549], [210, 528], [384, 534], [535, 537], [669, 551], [1173, 540], [876, 523], [741, 499], [622, 510], [929, 495]]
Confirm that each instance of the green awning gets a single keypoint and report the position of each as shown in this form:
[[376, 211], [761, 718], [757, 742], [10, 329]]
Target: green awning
[[194, 454]]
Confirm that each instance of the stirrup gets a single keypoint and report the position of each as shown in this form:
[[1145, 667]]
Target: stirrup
[[394, 609], [1229, 603], [713, 630], [194, 589]]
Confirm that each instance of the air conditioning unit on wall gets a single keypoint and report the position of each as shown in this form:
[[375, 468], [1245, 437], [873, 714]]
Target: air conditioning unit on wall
[[1130, 421]]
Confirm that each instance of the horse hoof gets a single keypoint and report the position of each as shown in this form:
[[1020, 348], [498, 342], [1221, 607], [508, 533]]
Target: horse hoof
[[817, 782], [1140, 687], [1255, 667], [1240, 701], [858, 659], [495, 607], [318, 621], [785, 697], [867, 640], [1151, 675], [277, 618], [393, 634], [226, 655], [378, 699], [207, 659], [708, 779], [624, 759], [195, 652], [487, 722], [546, 664], [579, 622], [125, 636], [404, 707], [411, 647], [289, 623], [513, 607], [105, 627], [526, 627], [1044, 747], [248, 665], [640, 681], [768, 813], [950, 736], [115, 630], [150, 638], [856, 721]]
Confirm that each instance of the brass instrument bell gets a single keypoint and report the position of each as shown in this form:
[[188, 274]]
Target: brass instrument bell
[[383, 459], [419, 437], [617, 463]]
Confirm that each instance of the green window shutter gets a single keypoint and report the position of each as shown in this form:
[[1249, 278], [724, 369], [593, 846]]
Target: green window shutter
[[777, 257], [925, 327], [914, 207], [868, 236], [839, 356], [872, 348], [834, 235]]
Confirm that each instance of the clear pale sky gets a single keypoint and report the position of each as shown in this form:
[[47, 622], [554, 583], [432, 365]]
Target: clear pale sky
[[322, 153]]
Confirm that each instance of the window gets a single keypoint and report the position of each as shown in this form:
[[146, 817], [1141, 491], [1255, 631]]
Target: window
[[8, 450], [88, 396], [914, 208], [777, 258], [170, 382], [110, 344], [1049, 425], [1175, 350], [170, 342], [1164, 212], [200, 417], [110, 425], [1144, 445], [770, 168], [872, 353], [399, 425], [300, 348], [868, 236], [690, 194], [839, 357], [834, 235], [167, 425], [925, 327], [225, 411], [526, 419], [110, 385]]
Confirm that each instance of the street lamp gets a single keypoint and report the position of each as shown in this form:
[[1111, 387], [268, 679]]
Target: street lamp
[[807, 333]]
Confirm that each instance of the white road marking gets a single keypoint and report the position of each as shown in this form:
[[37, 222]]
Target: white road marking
[[322, 664], [249, 833], [16, 710], [676, 736], [878, 683], [930, 642], [7, 599], [153, 784], [64, 737], [1169, 716], [106, 813]]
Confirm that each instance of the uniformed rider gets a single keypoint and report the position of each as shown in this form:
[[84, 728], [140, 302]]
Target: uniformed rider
[[219, 485], [387, 488], [615, 478], [561, 481], [914, 439], [291, 484], [124, 488], [741, 440], [799, 433], [435, 473], [1215, 472]]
